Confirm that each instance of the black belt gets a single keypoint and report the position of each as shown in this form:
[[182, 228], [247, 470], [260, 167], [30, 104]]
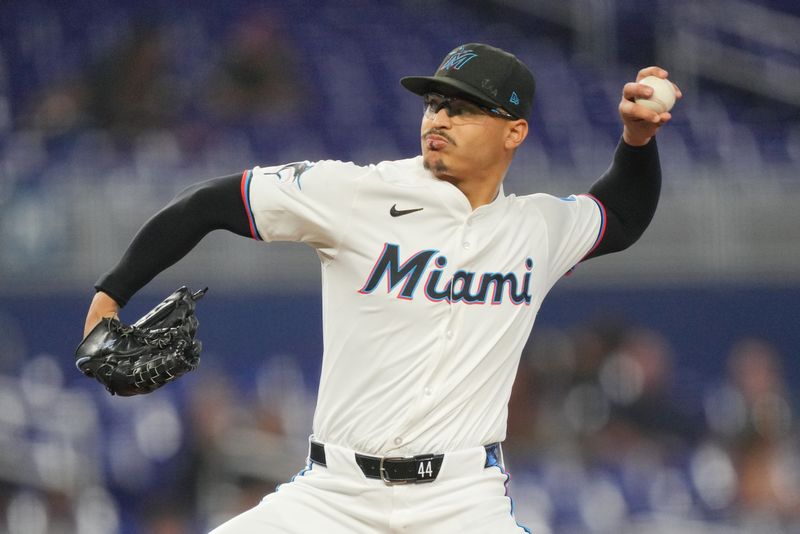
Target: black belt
[[400, 470]]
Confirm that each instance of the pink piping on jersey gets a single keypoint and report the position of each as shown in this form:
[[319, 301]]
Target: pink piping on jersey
[[603, 220], [246, 176]]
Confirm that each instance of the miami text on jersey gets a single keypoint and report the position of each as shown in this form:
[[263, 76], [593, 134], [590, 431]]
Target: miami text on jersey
[[464, 286]]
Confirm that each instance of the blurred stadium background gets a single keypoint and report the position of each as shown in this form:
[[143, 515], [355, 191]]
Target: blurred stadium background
[[658, 391]]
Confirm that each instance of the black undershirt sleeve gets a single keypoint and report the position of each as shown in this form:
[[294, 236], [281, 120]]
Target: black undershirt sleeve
[[629, 190], [174, 231]]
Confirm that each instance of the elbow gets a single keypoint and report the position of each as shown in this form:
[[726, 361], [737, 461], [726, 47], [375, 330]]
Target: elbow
[[632, 231], [192, 197], [620, 234]]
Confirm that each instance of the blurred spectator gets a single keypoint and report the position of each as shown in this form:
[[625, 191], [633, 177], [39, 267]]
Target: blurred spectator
[[256, 77], [131, 90], [600, 407], [638, 378], [127, 91], [752, 413], [535, 417], [584, 407], [167, 518], [753, 400], [58, 110], [240, 440], [622, 407]]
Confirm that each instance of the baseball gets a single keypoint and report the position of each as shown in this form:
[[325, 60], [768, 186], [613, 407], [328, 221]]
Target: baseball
[[663, 97]]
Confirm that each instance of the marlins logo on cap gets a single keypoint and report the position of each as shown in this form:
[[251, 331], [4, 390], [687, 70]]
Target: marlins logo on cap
[[457, 58]]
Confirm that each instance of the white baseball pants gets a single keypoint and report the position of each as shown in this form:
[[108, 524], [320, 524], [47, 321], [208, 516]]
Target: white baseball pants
[[466, 498]]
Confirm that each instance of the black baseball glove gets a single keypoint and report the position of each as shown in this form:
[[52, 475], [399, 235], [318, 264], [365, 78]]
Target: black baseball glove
[[142, 357]]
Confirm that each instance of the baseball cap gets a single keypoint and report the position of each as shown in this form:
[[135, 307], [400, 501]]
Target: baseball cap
[[483, 73]]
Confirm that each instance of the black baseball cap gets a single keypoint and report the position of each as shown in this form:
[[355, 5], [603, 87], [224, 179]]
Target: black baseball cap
[[482, 73]]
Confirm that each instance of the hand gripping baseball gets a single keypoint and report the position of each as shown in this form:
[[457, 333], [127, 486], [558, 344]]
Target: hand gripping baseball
[[641, 121], [142, 357]]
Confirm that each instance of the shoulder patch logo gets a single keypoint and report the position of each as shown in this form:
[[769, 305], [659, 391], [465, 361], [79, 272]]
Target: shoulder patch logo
[[291, 172]]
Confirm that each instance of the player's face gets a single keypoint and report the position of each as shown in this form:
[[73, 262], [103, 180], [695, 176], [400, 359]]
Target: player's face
[[460, 138]]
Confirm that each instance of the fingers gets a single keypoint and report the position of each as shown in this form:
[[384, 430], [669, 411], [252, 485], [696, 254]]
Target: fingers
[[652, 71], [102, 306], [640, 122], [630, 110], [661, 73], [632, 90], [678, 93]]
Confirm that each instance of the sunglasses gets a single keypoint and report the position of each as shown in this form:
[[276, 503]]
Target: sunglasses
[[459, 110]]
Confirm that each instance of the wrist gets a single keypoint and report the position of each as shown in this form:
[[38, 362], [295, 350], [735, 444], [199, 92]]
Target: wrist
[[634, 140], [102, 306]]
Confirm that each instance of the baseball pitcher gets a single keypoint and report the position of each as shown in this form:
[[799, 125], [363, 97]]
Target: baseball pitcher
[[432, 277]]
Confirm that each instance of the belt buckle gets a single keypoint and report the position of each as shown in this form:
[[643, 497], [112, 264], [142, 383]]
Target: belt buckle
[[384, 474]]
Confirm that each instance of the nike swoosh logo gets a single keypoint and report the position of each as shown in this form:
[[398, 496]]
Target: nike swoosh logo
[[394, 212]]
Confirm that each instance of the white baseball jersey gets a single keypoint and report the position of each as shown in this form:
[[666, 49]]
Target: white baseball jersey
[[427, 303]]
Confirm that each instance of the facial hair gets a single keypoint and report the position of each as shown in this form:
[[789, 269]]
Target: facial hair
[[439, 167]]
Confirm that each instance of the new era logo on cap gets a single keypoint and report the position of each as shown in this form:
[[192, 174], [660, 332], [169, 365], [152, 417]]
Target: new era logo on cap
[[483, 73]]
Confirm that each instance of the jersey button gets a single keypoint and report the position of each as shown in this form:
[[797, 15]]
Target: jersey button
[[449, 334], [466, 244], [427, 391], [398, 441]]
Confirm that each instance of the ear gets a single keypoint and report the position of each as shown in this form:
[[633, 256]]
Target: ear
[[516, 133]]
